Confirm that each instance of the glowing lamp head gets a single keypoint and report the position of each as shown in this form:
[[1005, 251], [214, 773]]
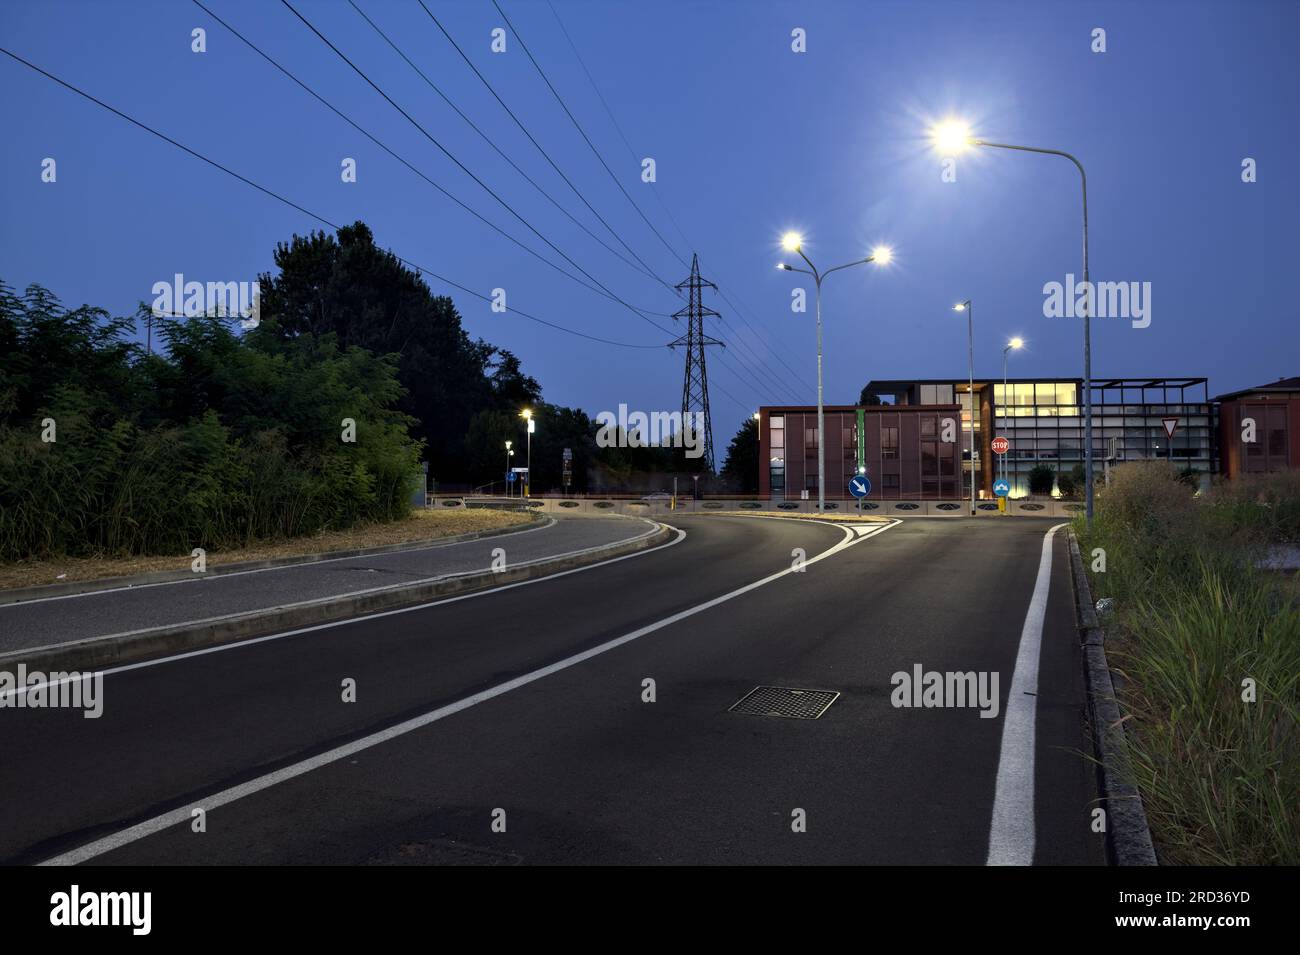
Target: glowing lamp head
[[1016, 343], [791, 241], [959, 307], [882, 255], [952, 136]]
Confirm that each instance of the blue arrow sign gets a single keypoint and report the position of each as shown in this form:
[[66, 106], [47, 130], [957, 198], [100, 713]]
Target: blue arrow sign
[[859, 485], [1001, 487], [510, 476]]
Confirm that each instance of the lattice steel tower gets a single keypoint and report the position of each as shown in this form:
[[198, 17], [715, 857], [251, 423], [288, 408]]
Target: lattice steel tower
[[695, 386]]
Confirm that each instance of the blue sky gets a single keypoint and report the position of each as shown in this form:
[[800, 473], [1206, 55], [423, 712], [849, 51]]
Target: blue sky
[[749, 138]]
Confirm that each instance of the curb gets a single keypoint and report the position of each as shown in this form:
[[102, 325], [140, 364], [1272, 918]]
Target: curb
[[1128, 836], [20, 594], [97, 653]]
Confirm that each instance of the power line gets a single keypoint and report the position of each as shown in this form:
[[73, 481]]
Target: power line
[[532, 139], [289, 202], [499, 151], [583, 133], [663, 205], [374, 139], [467, 170]]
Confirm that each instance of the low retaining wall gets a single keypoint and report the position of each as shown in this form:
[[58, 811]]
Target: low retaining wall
[[660, 507]]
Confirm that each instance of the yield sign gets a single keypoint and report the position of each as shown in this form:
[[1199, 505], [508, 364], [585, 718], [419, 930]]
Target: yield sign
[[1171, 425]]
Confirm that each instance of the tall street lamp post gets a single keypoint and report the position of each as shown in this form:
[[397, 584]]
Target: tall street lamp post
[[527, 415], [1012, 345], [954, 136], [509, 455], [793, 242], [970, 357]]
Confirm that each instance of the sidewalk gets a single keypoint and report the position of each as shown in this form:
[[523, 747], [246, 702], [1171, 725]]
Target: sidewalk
[[45, 622]]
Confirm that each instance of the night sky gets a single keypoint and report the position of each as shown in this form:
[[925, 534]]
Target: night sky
[[749, 139]]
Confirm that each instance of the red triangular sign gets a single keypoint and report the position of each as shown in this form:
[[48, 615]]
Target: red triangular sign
[[1171, 425]]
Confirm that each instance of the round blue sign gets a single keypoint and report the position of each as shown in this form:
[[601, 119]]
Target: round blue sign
[[1001, 487], [859, 485]]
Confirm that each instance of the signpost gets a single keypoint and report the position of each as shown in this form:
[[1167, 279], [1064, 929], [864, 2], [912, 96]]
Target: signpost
[[567, 475], [1000, 447], [1171, 425], [859, 487]]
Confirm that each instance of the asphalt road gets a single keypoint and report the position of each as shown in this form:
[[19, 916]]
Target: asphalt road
[[585, 770], [53, 620]]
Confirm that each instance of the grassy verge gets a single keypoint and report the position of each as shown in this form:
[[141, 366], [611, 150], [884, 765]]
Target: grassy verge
[[1197, 630], [416, 527]]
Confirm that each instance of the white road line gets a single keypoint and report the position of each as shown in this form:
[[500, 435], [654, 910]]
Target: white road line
[[234, 645], [226, 796], [1011, 835], [216, 575]]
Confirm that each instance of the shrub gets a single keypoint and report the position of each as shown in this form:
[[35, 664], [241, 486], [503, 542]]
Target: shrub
[[1041, 478]]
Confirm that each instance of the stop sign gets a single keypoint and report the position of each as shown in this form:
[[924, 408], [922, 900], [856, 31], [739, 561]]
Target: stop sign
[[1001, 445]]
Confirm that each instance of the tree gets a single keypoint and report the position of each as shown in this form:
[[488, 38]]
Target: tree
[[867, 399], [347, 286], [1041, 478], [742, 461]]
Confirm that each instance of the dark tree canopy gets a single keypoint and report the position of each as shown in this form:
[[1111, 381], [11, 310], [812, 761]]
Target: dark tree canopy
[[363, 294], [741, 465]]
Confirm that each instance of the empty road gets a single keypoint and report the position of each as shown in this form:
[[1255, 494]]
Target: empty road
[[514, 725]]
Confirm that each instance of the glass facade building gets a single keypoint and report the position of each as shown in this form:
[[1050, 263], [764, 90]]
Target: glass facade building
[[1043, 420]]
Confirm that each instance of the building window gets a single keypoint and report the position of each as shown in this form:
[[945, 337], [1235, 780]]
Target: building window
[[810, 437], [928, 426], [810, 482], [889, 481], [1277, 442], [889, 442], [929, 457]]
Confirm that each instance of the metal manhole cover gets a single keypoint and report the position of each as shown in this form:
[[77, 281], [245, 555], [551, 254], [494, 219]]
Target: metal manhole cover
[[792, 703]]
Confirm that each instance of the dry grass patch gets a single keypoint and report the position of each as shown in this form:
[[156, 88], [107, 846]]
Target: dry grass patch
[[418, 526]]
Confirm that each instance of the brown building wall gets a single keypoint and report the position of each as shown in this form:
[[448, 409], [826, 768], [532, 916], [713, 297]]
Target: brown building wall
[[1272, 414], [919, 467]]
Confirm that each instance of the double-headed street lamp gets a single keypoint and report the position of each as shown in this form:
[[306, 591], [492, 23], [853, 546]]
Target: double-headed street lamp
[[1014, 345], [970, 355], [952, 137], [793, 242]]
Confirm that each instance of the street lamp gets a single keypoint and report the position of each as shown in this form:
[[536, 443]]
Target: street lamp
[[509, 455], [527, 415], [954, 136], [1014, 345], [881, 255], [970, 354]]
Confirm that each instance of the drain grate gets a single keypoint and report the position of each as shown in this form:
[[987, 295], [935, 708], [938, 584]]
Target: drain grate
[[787, 701]]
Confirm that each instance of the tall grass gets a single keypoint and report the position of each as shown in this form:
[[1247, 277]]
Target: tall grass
[[1195, 621]]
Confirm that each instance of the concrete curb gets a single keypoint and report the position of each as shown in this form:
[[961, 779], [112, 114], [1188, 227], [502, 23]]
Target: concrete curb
[[97, 653], [20, 594], [1128, 836]]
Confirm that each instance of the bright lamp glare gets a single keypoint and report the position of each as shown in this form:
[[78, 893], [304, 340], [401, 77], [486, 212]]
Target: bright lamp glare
[[1017, 343], [961, 307], [791, 241], [951, 136], [882, 254]]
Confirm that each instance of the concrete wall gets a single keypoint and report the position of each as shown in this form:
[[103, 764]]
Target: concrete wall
[[660, 508]]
